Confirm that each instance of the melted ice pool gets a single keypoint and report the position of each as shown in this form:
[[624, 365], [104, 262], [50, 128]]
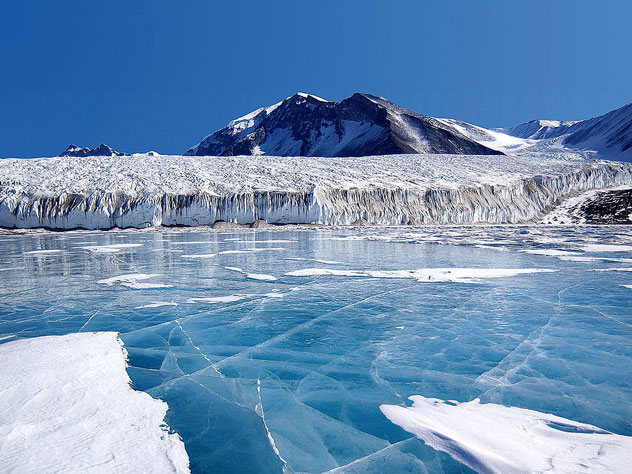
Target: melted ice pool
[[276, 349]]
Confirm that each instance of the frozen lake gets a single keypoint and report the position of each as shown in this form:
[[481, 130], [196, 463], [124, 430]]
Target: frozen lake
[[276, 348]]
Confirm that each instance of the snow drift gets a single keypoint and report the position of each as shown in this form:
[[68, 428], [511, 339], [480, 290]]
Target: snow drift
[[491, 438], [67, 406], [143, 191]]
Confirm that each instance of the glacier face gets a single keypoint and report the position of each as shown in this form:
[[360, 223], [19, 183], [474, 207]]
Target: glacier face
[[143, 190]]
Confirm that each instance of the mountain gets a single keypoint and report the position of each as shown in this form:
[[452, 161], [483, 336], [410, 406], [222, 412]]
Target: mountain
[[538, 129], [101, 150], [610, 135], [361, 125]]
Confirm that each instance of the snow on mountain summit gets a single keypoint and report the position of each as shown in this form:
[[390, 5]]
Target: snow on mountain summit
[[364, 125], [101, 150], [361, 125]]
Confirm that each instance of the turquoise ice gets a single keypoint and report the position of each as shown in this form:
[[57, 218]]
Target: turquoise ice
[[275, 349]]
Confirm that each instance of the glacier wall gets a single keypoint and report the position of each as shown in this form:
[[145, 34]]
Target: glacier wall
[[517, 201]]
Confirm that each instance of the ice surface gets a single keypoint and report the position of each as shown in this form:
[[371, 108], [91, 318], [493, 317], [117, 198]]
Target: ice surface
[[498, 439], [262, 376], [66, 406]]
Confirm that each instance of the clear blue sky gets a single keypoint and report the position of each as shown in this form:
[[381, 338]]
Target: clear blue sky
[[153, 74]]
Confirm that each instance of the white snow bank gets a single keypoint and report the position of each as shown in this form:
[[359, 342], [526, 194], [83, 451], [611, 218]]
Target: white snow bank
[[493, 438], [461, 275], [66, 405]]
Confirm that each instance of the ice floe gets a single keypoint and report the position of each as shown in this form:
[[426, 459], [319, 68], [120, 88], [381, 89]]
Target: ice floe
[[66, 405], [494, 438]]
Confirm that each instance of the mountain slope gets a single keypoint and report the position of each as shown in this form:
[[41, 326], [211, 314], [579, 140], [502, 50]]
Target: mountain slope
[[538, 129], [610, 135], [361, 125]]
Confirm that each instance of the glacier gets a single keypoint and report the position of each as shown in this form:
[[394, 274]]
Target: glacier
[[526, 326], [144, 190]]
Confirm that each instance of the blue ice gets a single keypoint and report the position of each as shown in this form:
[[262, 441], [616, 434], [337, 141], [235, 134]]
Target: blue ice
[[275, 348]]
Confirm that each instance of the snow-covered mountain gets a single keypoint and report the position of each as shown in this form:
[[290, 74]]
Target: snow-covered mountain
[[610, 135], [101, 150], [538, 129], [361, 125]]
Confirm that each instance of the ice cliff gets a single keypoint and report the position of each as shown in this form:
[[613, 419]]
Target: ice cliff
[[142, 190]]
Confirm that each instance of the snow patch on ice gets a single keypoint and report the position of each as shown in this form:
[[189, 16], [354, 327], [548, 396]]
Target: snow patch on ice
[[425, 275], [498, 439], [114, 248], [134, 280], [253, 276], [230, 252], [200, 255], [42, 252], [325, 262], [217, 299], [157, 304], [551, 252], [67, 406], [607, 248]]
